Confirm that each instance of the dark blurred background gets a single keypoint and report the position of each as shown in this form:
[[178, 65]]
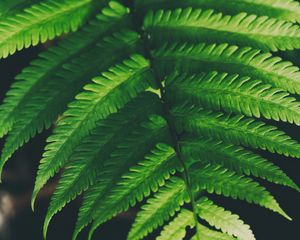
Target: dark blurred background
[[17, 221]]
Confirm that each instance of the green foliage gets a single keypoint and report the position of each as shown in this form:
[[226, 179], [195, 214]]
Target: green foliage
[[155, 102], [206, 25], [41, 22], [226, 221]]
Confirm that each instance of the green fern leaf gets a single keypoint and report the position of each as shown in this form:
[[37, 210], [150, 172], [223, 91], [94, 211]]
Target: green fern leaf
[[232, 93], [216, 179], [9, 7], [226, 221], [165, 203], [129, 153], [87, 161], [281, 9], [43, 109], [143, 179], [42, 75], [208, 234], [206, 25], [184, 107], [104, 96], [41, 22], [236, 129], [176, 229], [234, 158], [226, 58]]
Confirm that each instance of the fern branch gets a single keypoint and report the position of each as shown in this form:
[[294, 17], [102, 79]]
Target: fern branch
[[206, 25], [214, 178], [9, 7], [236, 129], [288, 10], [165, 203], [87, 160], [176, 229], [128, 154], [193, 58], [232, 93], [41, 22], [106, 95], [52, 98], [43, 73], [208, 234], [234, 158], [221, 219], [143, 179]]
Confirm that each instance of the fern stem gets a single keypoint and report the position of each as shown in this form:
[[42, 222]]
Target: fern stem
[[173, 134], [176, 145]]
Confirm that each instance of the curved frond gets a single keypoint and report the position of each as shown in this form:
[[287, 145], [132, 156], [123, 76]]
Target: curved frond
[[236, 129], [41, 22], [234, 158], [228, 58], [132, 150], [88, 159], [107, 94], [10, 7], [165, 203], [232, 93], [224, 220], [176, 229], [155, 103], [206, 25], [141, 180], [215, 179], [44, 73], [51, 99], [208, 234], [288, 10]]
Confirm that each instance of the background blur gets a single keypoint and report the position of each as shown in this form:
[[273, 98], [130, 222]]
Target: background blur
[[17, 221]]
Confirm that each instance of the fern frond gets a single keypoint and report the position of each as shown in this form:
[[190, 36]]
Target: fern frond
[[176, 229], [9, 7], [236, 129], [232, 93], [41, 22], [129, 153], [288, 10], [224, 220], [206, 25], [215, 179], [43, 72], [141, 180], [159, 99], [234, 158], [52, 98], [87, 160], [208, 234], [106, 95], [245, 61], [165, 203]]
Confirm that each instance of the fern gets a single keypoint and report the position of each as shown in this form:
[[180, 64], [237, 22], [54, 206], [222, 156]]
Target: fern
[[54, 17], [104, 96], [235, 158], [236, 129], [224, 220], [160, 208], [45, 72], [241, 29], [285, 10], [239, 95], [155, 102], [229, 58]]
